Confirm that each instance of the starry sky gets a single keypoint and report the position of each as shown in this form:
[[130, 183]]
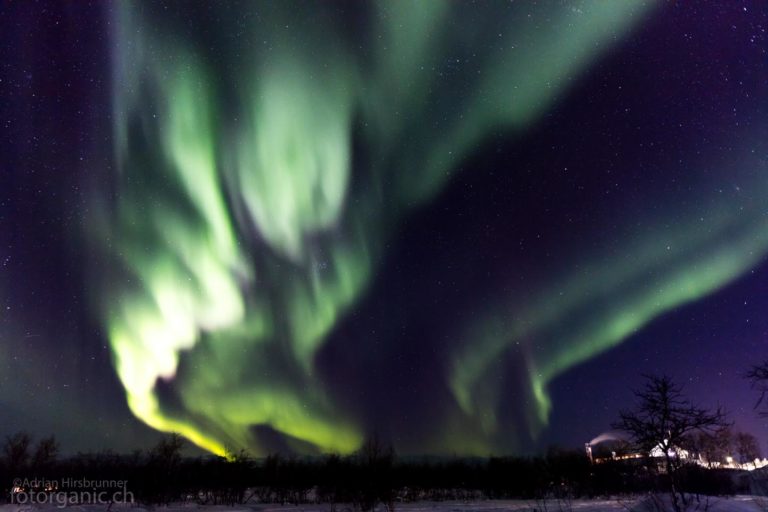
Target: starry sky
[[468, 228]]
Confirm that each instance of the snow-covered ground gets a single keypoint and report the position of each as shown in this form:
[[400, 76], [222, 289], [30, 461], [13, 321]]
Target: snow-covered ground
[[731, 504]]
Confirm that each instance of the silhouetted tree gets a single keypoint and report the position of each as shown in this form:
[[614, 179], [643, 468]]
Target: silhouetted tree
[[163, 480], [714, 447], [747, 447], [375, 461], [167, 452], [758, 376], [45, 453], [16, 450], [663, 419]]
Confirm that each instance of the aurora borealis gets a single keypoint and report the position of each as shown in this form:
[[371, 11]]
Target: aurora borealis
[[298, 224]]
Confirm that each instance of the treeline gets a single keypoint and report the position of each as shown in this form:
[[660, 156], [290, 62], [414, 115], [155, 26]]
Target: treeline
[[662, 421], [373, 476]]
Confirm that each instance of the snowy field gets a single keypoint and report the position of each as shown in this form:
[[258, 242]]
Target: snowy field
[[713, 504]]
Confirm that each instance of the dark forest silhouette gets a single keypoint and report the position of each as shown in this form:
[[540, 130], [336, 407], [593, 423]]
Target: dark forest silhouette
[[375, 476]]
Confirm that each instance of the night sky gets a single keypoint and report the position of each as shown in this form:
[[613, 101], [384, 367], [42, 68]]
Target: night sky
[[466, 228]]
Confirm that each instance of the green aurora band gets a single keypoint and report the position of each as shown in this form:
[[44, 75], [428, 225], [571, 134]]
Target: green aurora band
[[609, 299], [241, 238]]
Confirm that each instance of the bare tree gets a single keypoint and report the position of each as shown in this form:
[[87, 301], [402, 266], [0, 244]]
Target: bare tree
[[758, 376], [662, 420], [167, 452], [374, 452], [747, 447], [714, 447], [375, 460], [45, 453], [16, 449]]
